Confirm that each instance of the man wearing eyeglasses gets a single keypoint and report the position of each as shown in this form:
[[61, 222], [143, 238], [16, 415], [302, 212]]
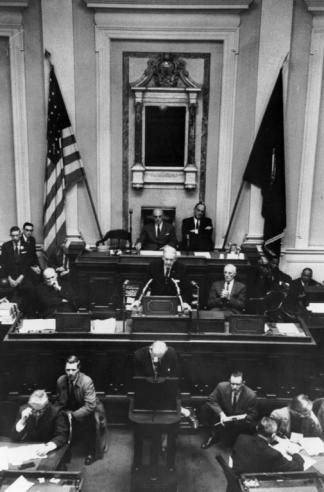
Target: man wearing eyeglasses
[[40, 421], [197, 230], [230, 410], [156, 235]]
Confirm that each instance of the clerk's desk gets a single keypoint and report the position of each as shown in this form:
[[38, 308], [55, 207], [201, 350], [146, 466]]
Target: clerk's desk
[[52, 462], [99, 277], [44, 481], [274, 365]]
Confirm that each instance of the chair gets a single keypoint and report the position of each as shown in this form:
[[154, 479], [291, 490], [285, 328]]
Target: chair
[[230, 475], [117, 239], [8, 414]]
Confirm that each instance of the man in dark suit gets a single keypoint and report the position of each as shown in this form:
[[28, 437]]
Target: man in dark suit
[[156, 235], [40, 421], [29, 243], [197, 230], [15, 269], [160, 361], [229, 295], [297, 300], [53, 296], [77, 395], [228, 399], [166, 277], [255, 454]]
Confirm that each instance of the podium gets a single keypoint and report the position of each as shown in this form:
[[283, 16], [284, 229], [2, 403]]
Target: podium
[[150, 423]]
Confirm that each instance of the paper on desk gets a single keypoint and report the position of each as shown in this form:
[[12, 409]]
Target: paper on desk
[[313, 445], [232, 418], [103, 325], [308, 462], [316, 307], [20, 485], [282, 449], [296, 437], [37, 325], [290, 329], [202, 254], [22, 454], [150, 252]]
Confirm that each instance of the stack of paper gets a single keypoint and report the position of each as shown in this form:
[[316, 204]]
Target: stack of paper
[[8, 312], [36, 325], [313, 445], [202, 254], [316, 307], [101, 326]]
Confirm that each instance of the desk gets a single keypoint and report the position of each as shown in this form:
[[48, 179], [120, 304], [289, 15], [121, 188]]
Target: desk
[[52, 462], [99, 278], [285, 482], [153, 425], [65, 481]]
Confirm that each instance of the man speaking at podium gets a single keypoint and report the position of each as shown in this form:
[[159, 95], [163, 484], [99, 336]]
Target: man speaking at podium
[[166, 277]]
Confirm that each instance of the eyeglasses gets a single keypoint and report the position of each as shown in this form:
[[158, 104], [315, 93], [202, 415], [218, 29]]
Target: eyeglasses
[[28, 230], [157, 216]]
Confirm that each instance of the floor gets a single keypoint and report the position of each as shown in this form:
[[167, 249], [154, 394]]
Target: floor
[[196, 469]]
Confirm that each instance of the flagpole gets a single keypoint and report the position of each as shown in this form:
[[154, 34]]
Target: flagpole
[[92, 205], [48, 57], [232, 215]]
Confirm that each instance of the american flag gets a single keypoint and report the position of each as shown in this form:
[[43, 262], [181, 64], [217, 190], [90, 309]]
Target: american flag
[[64, 167]]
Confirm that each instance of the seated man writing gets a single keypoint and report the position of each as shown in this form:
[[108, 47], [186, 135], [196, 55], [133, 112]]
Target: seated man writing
[[40, 421], [230, 410], [255, 453], [166, 277]]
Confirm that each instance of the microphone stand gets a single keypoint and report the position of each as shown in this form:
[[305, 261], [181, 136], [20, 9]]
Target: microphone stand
[[146, 286], [197, 319], [124, 304], [178, 293], [130, 213]]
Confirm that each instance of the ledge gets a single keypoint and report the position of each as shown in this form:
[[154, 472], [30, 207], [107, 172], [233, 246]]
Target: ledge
[[235, 6]]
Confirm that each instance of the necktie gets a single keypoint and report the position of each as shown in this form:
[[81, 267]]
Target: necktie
[[234, 402], [16, 251], [198, 224], [158, 231], [227, 284], [72, 403]]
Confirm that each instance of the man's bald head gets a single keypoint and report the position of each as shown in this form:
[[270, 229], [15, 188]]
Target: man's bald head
[[229, 272]]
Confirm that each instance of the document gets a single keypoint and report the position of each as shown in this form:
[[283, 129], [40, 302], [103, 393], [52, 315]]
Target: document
[[316, 307], [103, 326], [37, 325], [287, 329], [20, 485], [202, 254], [313, 445], [233, 418]]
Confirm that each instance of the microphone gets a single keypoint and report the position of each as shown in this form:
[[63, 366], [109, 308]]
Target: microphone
[[146, 286], [176, 282]]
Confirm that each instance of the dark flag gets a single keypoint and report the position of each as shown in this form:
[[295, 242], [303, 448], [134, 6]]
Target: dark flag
[[266, 169], [64, 167]]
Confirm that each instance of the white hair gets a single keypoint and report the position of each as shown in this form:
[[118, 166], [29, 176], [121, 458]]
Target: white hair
[[158, 348]]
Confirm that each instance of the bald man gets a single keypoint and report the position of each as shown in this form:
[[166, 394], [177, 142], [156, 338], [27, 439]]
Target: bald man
[[54, 295], [227, 295], [156, 235], [159, 360]]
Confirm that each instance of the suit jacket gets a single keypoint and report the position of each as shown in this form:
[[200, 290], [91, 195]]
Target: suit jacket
[[161, 286], [309, 427], [297, 299], [220, 400], [237, 299], [30, 247], [253, 454], [51, 300], [52, 426], [197, 242], [14, 265], [168, 366], [85, 395], [150, 241]]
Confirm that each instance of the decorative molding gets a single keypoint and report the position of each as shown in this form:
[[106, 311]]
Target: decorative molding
[[13, 4], [11, 28], [315, 7], [234, 6], [295, 259], [229, 36], [312, 116]]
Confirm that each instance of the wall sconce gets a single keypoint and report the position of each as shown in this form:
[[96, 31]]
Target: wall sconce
[[191, 173], [138, 176]]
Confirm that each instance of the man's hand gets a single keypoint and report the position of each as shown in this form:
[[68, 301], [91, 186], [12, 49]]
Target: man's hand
[[25, 414], [36, 269], [56, 286], [225, 294], [12, 282], [138, 246], [223, 418], [186, 307], [43, 449]]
